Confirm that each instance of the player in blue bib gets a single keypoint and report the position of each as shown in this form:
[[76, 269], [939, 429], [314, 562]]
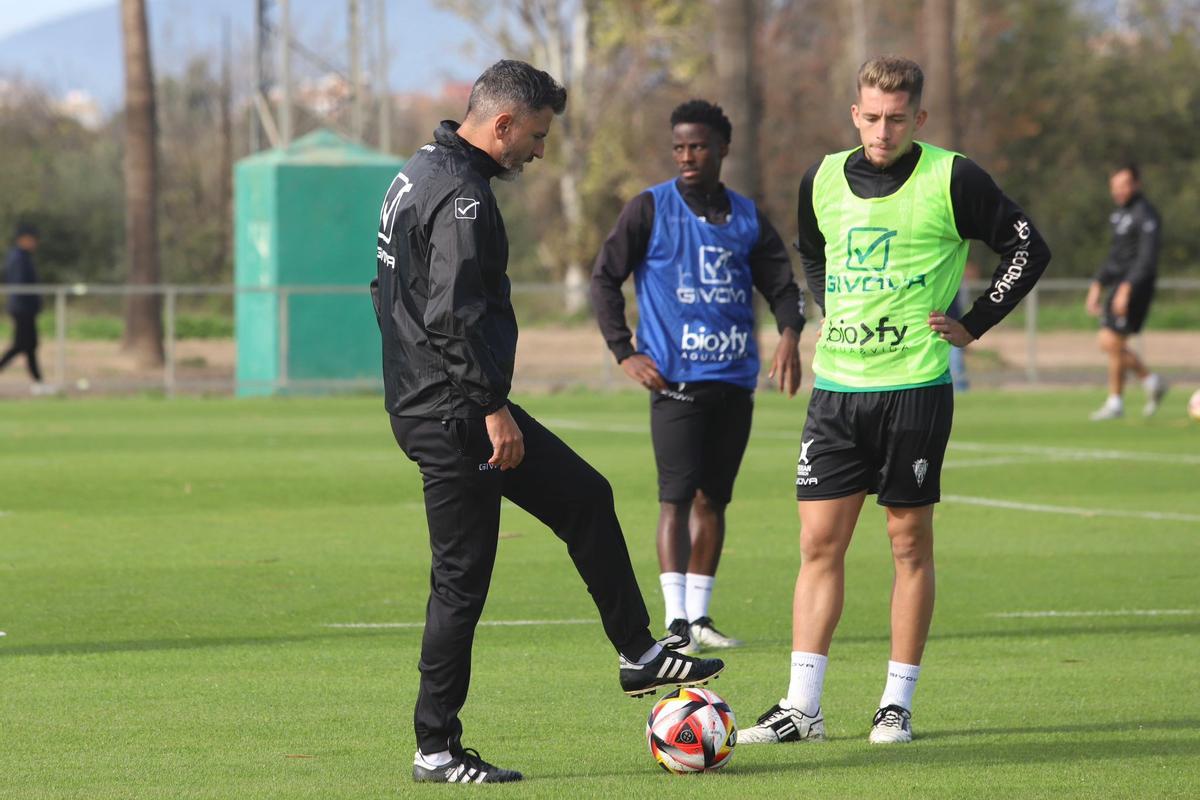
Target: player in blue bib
[[697, 251]]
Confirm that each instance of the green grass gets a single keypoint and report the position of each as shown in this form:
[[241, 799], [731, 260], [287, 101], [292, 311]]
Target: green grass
[[167, 568], [109, 328]]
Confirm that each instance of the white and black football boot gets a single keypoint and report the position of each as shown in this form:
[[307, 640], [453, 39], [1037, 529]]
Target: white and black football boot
[[706, 636], [669, 668], [782, 723], [679, 638], [466, 767], [891, 725]]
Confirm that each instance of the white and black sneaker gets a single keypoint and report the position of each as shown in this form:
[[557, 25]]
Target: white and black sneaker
[[1110, 410], [679, 638], [1156, 389], [705, 635], [892, 725], [466, 767], [782, 723], [668, 668]]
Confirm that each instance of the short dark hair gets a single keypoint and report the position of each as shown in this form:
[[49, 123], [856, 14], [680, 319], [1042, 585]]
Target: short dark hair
[[26, 229], [1128, 166], [702, 112], [890, 74], [515, 86]]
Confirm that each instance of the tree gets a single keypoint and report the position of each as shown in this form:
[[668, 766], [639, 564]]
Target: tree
[[941, 75], [738, 92], [143, 337], [614, 58]]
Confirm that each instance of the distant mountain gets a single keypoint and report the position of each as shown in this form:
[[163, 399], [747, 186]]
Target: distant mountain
[[428, 46]]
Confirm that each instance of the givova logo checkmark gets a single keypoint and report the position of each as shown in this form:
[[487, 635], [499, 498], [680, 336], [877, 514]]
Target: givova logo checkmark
[[869, 248]]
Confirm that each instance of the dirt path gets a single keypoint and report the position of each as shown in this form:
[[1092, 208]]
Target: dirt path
[[551, 359]]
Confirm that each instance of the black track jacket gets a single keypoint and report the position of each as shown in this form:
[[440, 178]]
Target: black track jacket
[[441, 294], [1134, 253]]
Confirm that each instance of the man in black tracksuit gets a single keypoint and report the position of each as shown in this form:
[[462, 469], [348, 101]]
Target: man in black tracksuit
[[449, 335], [23, 308], [1128, 275]]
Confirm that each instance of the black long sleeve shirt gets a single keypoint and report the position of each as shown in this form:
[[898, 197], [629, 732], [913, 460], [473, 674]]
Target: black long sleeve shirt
[[981, 211], [625, 249], [1134, 254], [18, 271]]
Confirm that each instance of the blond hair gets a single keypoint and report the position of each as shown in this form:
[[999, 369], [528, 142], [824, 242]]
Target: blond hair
[[893, 74]]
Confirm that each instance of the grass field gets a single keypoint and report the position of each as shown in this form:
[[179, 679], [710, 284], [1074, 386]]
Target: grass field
[[169, 572]]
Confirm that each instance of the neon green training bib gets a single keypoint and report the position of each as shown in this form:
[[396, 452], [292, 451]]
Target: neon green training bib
[[889, 261]]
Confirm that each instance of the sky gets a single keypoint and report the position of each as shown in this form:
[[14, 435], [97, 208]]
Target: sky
[[16, 15]]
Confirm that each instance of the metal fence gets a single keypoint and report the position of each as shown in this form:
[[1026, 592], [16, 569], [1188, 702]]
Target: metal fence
[[1046, 340]]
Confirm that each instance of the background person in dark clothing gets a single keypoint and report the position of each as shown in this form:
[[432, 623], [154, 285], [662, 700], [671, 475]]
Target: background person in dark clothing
[[23, 308], [449, 343], [697, 251], [1128, 275]]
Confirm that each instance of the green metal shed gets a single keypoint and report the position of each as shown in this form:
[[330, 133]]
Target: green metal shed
[[307, 216]]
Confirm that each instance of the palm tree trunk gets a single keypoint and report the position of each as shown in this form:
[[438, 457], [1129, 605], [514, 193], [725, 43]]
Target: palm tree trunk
[[941, 86], [739, 93], [143, 312]]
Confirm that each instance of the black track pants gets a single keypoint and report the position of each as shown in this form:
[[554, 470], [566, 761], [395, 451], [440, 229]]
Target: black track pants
[[25, 340], [462, 505]]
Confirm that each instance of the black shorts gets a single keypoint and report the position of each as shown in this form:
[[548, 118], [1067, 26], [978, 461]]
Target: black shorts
[[699, 432], [1135, 315], [887, 443]]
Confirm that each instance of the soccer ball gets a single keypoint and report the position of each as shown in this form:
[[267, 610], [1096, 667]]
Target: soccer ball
[[691, 730], [1194, 406]]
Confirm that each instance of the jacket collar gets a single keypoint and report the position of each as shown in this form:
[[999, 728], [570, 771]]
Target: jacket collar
[[1134, 199], [717, 198], [902, 167], [447, 136]]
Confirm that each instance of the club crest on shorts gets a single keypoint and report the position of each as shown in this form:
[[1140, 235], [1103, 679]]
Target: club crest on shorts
[[920, 470]]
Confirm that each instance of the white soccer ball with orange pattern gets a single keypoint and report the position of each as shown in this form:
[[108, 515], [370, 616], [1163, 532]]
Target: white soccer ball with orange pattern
[[1194, 405], [691, 730]]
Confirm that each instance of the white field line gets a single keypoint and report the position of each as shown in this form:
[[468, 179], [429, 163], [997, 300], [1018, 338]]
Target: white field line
[[1036, 452], [492, 623], [580, 425], [1124, 612], [998, 461], [1040, 508], [1080, 453]]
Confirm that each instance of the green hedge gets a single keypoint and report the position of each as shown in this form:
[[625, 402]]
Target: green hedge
[[108, 328]]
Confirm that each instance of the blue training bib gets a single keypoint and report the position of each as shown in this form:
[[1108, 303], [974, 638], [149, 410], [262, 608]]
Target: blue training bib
[[695, 311]]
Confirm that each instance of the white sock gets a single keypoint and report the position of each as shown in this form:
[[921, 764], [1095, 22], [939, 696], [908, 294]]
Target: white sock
[[1151, 382], [433, 760], [901, 683], [699, 591], [1114, 401], [649, 655], [674, 589], [808, 681]]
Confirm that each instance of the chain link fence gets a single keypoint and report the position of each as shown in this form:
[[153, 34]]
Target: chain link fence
[[1049, 339]]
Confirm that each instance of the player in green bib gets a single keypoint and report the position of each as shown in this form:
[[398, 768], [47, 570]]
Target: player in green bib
[[883, 233]]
